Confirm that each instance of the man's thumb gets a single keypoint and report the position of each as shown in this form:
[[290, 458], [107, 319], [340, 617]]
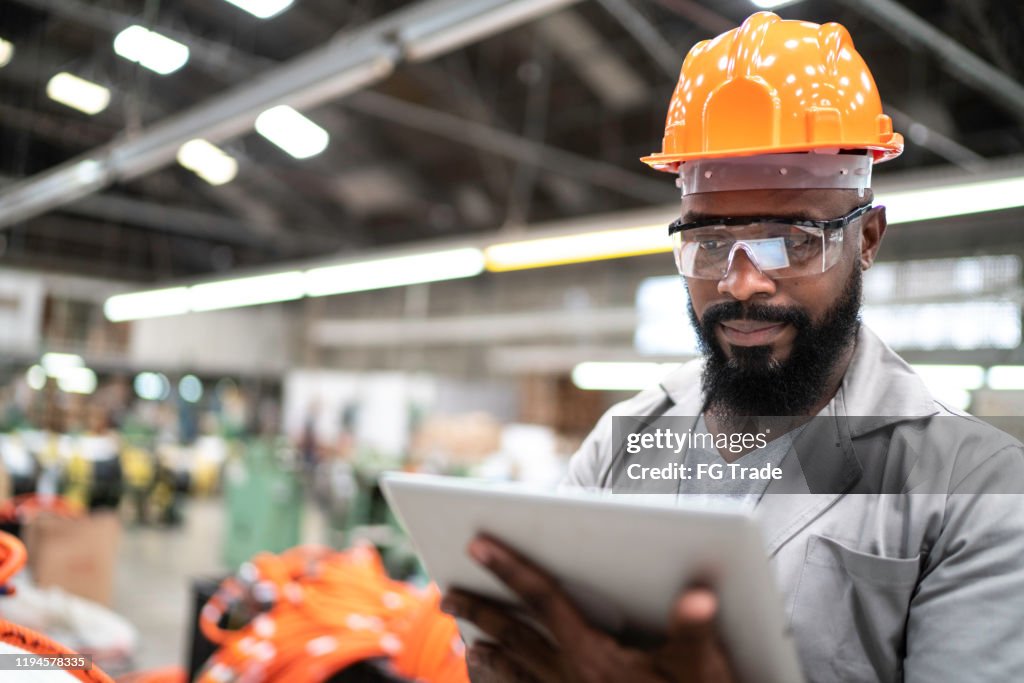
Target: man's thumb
[[694, 613]]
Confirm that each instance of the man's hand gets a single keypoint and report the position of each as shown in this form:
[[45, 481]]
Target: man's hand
[[572, 650]]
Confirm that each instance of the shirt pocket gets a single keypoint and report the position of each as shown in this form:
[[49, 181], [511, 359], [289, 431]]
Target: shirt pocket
[[850, 612]]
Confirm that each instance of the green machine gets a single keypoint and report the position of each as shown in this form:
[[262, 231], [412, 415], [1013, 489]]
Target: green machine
[[264, 497]]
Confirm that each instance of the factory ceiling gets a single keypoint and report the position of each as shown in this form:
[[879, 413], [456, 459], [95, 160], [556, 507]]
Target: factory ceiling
[[540, 122]]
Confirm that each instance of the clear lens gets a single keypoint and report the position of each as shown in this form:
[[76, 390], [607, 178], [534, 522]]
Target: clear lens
[[769, 253], [778, 250]]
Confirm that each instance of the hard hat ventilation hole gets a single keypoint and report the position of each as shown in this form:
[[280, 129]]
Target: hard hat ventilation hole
[[783, 171], [707, 174]]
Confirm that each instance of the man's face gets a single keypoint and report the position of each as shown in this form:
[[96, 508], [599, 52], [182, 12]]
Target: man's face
[[771, 345]]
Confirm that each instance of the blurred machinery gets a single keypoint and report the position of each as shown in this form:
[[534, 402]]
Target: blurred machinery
[[263, 497]]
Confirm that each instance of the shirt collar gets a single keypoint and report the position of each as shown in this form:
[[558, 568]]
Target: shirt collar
[[878, 385]]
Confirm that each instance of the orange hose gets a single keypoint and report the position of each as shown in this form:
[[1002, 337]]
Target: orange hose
[[12, 557], [37, 643]]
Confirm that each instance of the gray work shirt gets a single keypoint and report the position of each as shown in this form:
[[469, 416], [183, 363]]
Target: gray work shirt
[[921, 583], [744, 492]]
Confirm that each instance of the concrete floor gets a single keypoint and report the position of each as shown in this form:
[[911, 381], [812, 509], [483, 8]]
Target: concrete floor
[[154, 574]]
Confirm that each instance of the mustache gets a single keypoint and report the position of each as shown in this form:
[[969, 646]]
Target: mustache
[[735, 310]]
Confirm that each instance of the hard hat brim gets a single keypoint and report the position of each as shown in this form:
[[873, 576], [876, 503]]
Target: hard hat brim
[[669, 163]]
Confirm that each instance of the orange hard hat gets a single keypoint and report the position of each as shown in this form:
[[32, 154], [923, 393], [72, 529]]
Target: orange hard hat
[[773, 86]]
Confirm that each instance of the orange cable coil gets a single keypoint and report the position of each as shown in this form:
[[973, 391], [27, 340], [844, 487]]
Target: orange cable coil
[[319, 612]]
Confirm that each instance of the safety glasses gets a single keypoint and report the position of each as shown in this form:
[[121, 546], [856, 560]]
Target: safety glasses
[[778, 247]]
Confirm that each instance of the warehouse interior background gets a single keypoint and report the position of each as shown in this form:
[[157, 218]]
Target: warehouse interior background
[[263, 250]]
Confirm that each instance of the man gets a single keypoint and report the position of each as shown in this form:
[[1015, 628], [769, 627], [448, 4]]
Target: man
[[897, 552]]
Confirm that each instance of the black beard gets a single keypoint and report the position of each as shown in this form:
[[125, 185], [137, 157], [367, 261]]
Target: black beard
[[752, 383]]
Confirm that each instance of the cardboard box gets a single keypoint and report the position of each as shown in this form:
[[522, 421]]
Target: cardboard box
[[79, 555], [5, 484], [455, 440]]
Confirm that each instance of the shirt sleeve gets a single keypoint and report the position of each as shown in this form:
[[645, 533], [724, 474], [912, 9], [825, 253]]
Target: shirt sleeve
[[966, 619], [592, 457]]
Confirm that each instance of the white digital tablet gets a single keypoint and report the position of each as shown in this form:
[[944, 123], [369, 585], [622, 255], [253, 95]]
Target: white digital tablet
[[622, 561]]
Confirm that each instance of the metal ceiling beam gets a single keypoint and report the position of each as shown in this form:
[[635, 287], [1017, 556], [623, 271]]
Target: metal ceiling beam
[[350, 62], [510, 145], [171, 219], [216, 57], [75, 244], [193, 223], [519, 197], [473, 329], [455, 82], [51, 128], [960, 62], [647, 36], [991, 41], [599, 67], [56, 263], [940, 144], [699, 15]]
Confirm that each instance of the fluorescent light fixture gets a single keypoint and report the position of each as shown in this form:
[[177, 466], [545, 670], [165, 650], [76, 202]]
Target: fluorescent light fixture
[[599, 376], [262, 9], [579, 248], [78, 93], [292, 132], [55, 364], [6, 52], [190, 388], [36, 377], [901, 207], [952, 384], [952, 200], [771, 4], [394, 272], [152, 386], [962, 325], [247, 291], [208, 161], [382, 273], [155, 303], [77, 381], [150, 49], [963, 278], [68, 369], [1006, 377], [969, 377]]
